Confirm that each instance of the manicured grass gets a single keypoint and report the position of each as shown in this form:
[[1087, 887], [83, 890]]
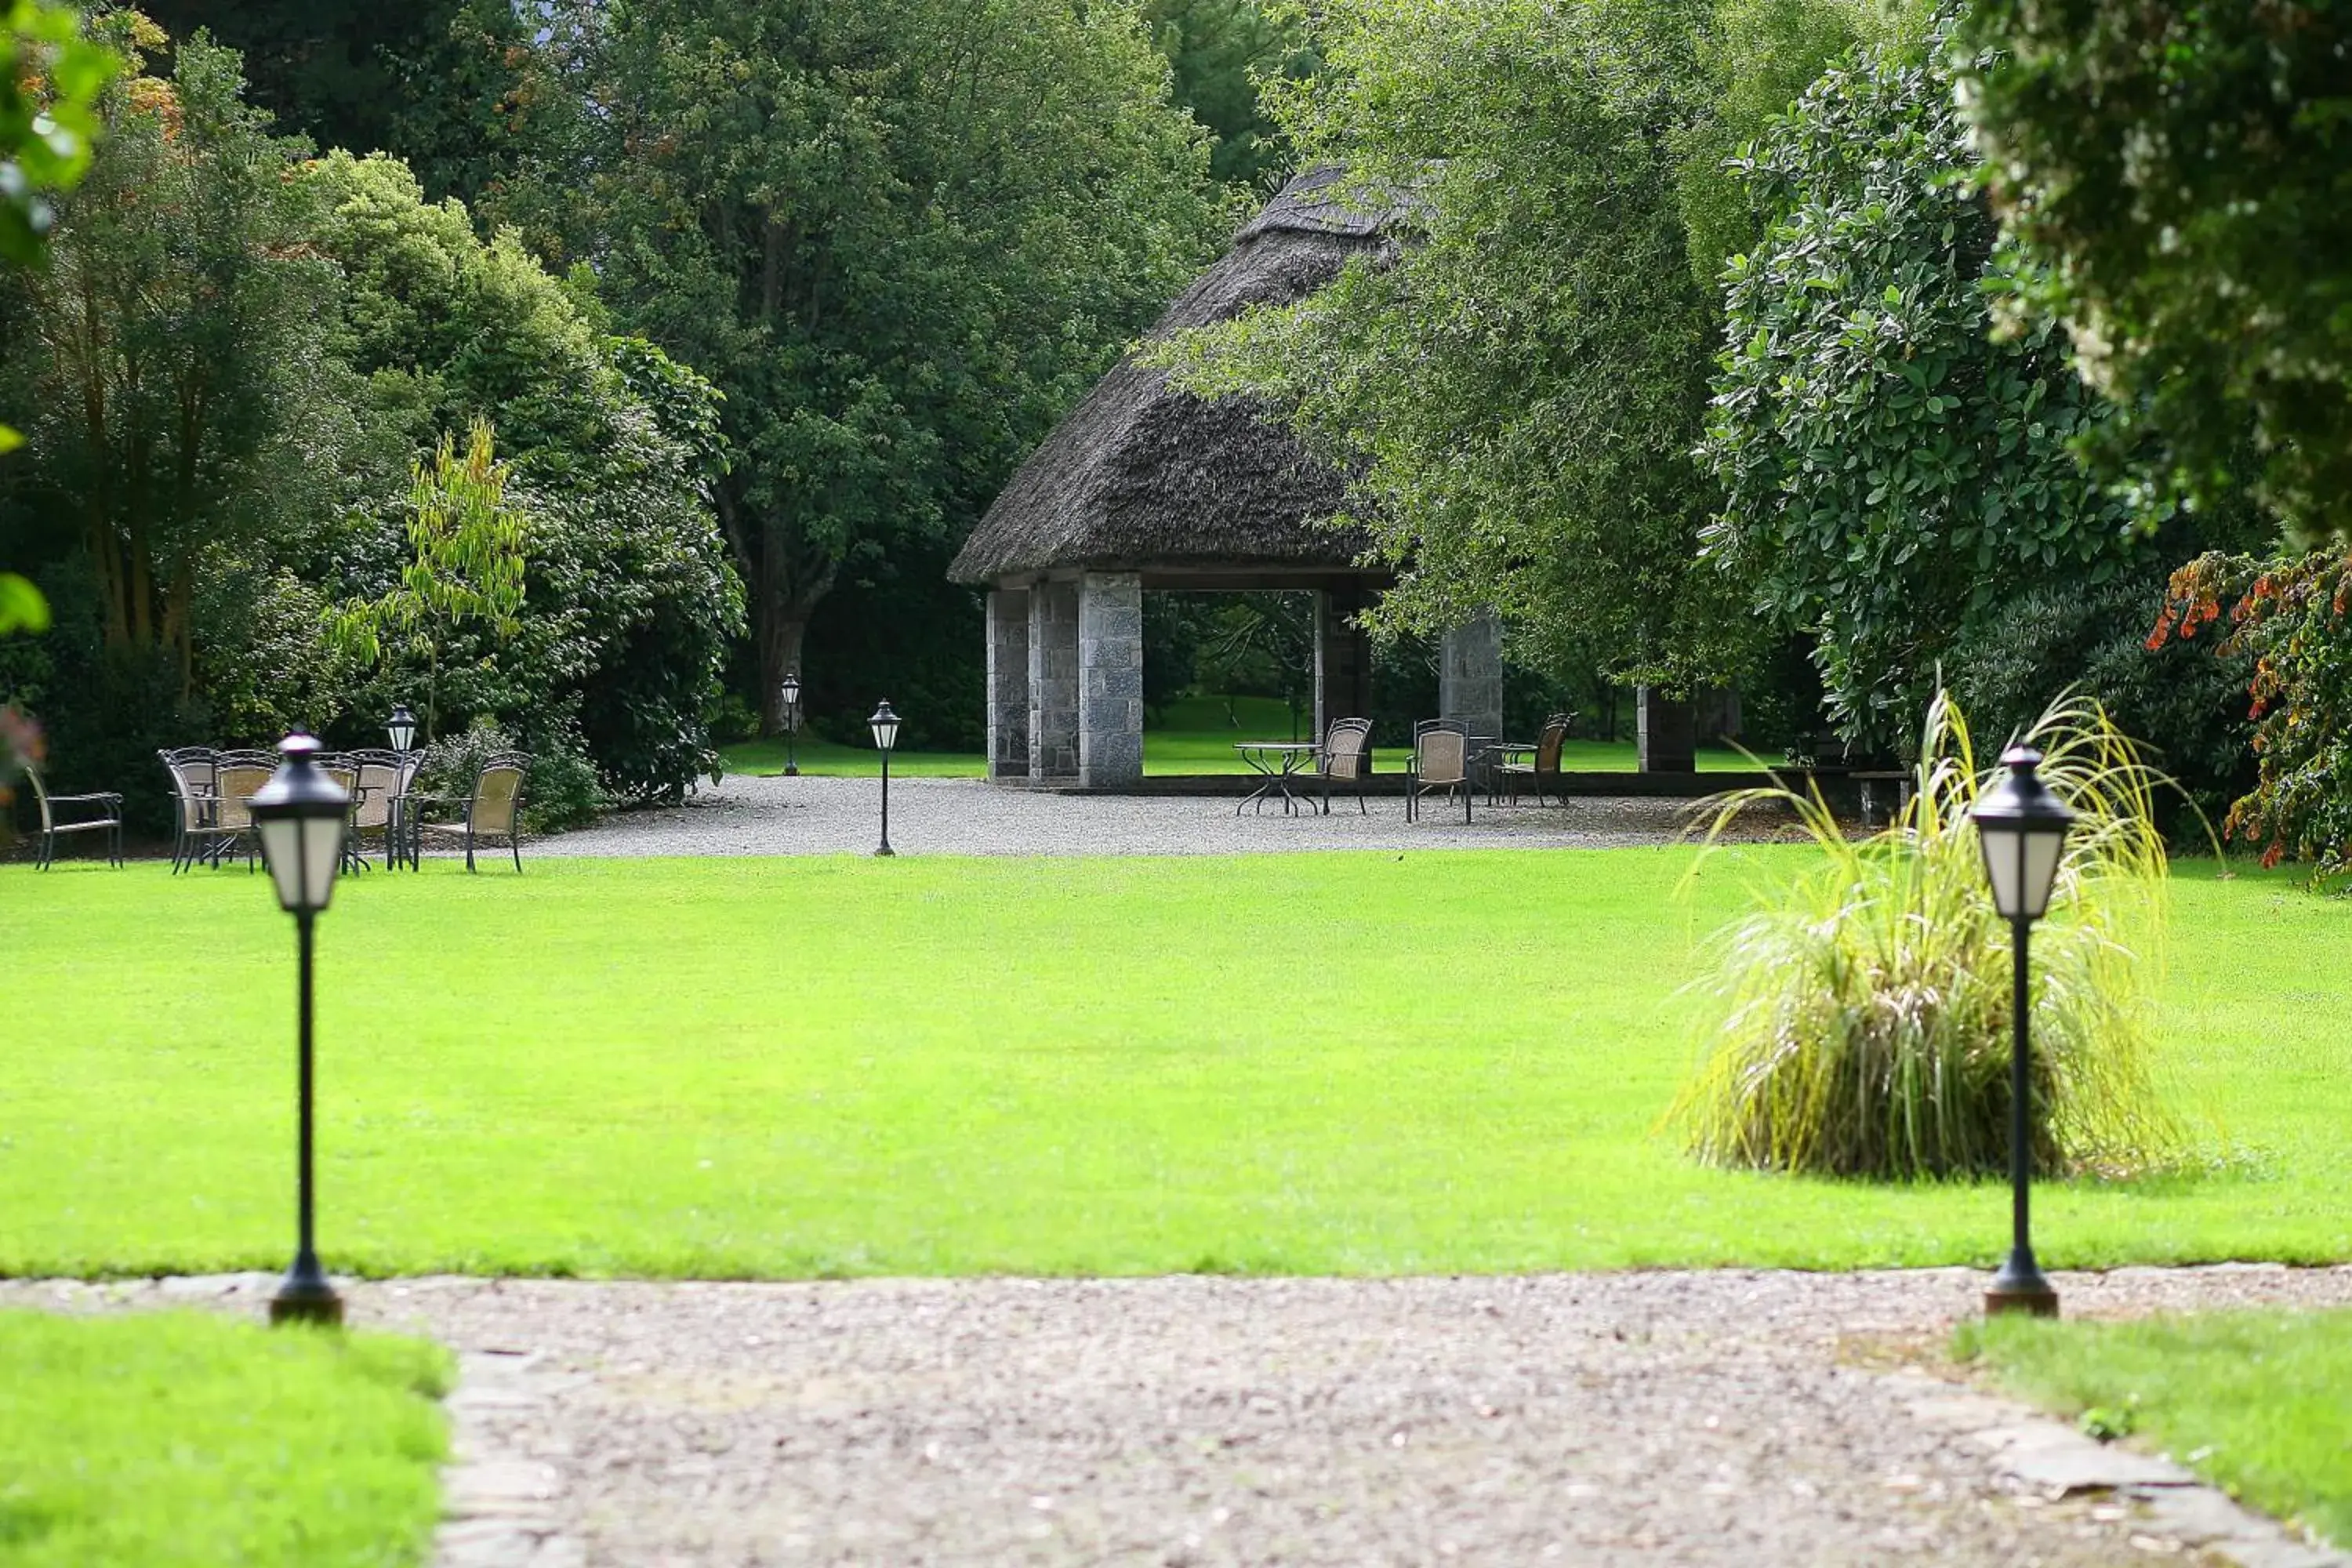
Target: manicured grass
[[2259, 1402], [1314, 1063], [1195, 735], [162, 1439]]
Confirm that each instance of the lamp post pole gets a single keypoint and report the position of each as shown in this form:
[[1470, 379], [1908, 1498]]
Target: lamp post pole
[[299, 817], [2020, 1286], [790, 690], [885, 724], [2022, 827], [402, 730], [305, 1295]]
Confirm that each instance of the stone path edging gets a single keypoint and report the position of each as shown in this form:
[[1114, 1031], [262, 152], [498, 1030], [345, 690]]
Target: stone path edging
[[2054, 1462]]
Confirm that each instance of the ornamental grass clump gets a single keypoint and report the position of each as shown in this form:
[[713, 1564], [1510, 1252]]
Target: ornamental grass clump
[[1862, 1018]]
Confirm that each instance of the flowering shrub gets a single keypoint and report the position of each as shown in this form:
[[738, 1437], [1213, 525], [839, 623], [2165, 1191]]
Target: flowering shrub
[[2288, 614]]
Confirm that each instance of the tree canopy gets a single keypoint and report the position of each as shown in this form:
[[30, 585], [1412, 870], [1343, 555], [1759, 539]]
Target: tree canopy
[[1893, 475], [2182, 176], [900, 236], [1518, 389]]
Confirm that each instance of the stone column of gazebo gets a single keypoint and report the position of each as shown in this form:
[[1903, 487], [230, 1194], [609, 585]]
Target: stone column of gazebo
[[1146, 487]]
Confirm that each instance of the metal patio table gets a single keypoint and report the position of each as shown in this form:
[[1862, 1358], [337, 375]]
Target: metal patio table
[[1280, 762]]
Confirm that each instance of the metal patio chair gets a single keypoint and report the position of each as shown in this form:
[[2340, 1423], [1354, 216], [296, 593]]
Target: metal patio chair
[[238, 777], [1346, 757], [99, 813], [1440, 760], [379, 779], [1542, 771], [493, 810], [194, 779]]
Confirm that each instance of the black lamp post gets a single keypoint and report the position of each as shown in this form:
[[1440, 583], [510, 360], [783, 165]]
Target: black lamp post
[[402, 728], [299, 816], [885, 736], [790, 690], [2024, 829]]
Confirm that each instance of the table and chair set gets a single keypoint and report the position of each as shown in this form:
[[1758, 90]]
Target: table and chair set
[[212, 815], [212, 794], [1448, 761]]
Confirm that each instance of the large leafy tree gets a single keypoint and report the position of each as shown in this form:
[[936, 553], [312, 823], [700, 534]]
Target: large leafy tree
[[1893, 475], [2185, 173], [1217, 50], [446, 85], [1518, 389], [173, 370], [901, 235], [612, 450]]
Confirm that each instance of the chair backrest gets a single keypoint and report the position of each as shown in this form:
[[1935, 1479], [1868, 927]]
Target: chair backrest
[[376, 774], [238, 779], [1555, 731], [1441, 751], [498, 790], [1347, 748], [40, 795], [193, 771]]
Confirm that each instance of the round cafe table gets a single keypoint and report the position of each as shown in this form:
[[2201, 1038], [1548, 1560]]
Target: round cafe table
[[1280, 762]]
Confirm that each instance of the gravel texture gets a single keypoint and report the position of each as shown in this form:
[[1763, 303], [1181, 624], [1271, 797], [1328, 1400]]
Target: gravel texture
[[753, 816], [1728, 1418]]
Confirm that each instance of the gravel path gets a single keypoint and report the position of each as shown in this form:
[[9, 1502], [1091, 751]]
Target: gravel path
[[751, 815], [1743, 1419]]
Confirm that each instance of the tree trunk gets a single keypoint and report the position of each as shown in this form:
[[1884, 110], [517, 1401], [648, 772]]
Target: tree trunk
[[781, 628], [783, 592]]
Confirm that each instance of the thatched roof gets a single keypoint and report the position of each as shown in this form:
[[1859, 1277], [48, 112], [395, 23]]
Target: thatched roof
[[1143, 477]]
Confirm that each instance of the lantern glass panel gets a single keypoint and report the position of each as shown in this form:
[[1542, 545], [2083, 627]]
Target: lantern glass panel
[[303, 854], [886, 728], [2022, 865]]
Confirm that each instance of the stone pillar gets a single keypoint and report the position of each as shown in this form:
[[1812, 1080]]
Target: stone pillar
[[1661, 739], [1343, 660], [1110, 680], [1470, 675], [1053, 681], [1008, 683]]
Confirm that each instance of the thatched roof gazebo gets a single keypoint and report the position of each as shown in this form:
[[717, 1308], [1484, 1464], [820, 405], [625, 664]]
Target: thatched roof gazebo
[[1145, 486]]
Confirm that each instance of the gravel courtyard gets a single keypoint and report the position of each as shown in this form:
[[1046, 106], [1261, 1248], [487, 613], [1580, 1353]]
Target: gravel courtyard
[[1737, 1418], [746, 815]]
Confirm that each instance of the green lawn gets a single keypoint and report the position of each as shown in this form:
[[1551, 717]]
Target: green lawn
[[1313, 1063], [1195, 735], [182, 1440], [2259, 1402]]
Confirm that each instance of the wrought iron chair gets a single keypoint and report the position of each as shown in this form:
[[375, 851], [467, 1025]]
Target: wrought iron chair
[[1347, 755], [238, 777], [195, 789], [1440, 760], [493, 809], [1543, 771], [379, 778], [107, 820], [344, 767]]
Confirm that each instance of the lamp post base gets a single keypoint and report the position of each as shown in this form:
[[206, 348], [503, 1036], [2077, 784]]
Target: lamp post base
[[2020, 1288], [305, 1296], [886, 849]]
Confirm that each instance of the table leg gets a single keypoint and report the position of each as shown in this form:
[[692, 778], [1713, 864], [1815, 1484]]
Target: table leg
[[1257, 794]]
